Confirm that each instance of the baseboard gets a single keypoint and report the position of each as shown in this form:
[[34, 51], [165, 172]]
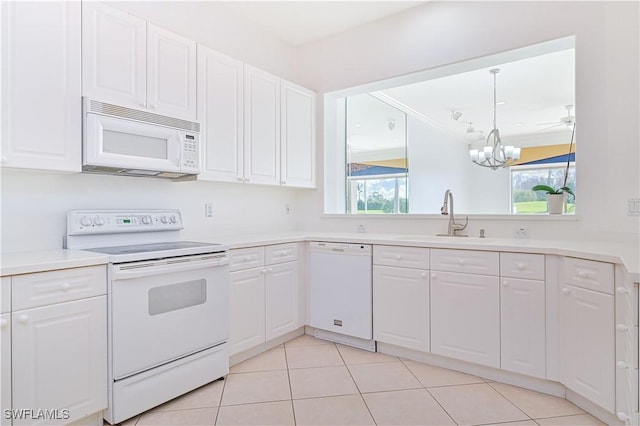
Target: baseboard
[[356, 342], [256, 350]]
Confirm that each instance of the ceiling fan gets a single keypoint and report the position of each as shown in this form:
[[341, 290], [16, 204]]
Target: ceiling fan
[[567, 120]]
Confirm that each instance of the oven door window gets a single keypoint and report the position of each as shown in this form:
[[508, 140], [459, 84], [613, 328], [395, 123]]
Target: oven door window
[[172, 297]]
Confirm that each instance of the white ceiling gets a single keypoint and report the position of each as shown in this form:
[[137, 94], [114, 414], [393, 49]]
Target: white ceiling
[[300, 22]]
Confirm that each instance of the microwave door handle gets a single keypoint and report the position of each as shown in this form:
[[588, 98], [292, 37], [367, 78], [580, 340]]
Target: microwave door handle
[[119, 273], [177, 152]]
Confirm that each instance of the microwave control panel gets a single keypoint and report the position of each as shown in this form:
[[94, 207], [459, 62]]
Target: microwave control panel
[[190, 152]]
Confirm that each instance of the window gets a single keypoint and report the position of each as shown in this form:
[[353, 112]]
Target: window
[[378, 195], [523, 178]]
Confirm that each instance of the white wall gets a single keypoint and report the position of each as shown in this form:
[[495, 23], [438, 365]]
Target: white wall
[[34, 205], [439, 33]]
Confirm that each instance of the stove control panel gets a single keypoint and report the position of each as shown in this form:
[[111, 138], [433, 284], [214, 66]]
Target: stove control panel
[[82, 222]]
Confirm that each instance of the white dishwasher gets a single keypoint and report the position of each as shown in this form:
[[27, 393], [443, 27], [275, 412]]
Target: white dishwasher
[[341, 289]]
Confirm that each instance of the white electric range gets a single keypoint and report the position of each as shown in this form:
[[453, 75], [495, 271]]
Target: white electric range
[[168, 305]]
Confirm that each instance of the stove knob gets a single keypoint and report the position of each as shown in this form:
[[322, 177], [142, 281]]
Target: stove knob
[[99, 221], [85, 221], [146, 220], [173, 219], [163, 219]]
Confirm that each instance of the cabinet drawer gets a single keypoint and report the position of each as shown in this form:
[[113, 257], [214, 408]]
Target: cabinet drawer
[[45, 288], [466, 261], [589, 274], [280, 253], [246, 258], [522, 265], [406, 257], [627, 344], [5, 295], [626, 304]]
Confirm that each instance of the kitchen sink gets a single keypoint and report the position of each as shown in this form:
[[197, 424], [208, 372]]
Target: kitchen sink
[[448, 238]]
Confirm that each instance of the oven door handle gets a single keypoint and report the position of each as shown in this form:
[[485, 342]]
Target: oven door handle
[[128, 272]]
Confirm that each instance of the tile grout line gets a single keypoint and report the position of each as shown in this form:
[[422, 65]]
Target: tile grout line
[[510, 402], [427, 389], [286, 362], [224, 385], [357, 387]]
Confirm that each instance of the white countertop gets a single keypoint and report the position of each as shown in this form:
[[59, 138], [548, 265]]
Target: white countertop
[[625, 254], [621, 253], [38, 261]]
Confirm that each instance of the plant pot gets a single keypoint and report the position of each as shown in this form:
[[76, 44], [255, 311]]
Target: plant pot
[[555, 203]]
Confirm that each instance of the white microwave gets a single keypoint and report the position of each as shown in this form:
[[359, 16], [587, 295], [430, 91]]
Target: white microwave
[[130, 142]]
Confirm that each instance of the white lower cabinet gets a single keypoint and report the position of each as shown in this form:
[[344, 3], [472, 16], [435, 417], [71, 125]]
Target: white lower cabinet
[[247, 309], [586, 344], [281, 299], [522, 326], [401, 307], [465, 317], [264, 295], [5, 367], [59, 359]]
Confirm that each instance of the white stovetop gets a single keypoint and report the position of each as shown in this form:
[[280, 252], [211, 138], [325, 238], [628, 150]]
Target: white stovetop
[[626, 254]]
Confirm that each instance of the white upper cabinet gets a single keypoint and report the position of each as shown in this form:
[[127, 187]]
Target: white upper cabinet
[[298, 135], [131, 63], [220, 112], [171, 73], [261, 127], [113, 56], [41, 111]]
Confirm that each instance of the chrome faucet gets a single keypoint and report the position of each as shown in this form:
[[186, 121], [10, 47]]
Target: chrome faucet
[[453, 226]]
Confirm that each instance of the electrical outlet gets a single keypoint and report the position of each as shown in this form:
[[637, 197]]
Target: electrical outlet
[[287, 209], [208, 210], [361, 228], [521, 232], [633, 207]]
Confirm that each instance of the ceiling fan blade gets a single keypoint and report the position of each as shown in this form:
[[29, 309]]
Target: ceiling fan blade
[[551, 127]]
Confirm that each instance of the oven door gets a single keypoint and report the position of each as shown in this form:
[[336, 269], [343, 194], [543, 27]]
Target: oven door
[[163, 310]]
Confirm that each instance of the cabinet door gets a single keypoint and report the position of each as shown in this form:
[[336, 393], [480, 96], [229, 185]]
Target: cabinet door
[[5, 367], [171, 73], [298, 136], [261, 127], [281, 288], [247, 310], [114, 56], [401, 307], [522, 324], [586, 343], [220, 113], [465, 317], [60, 358], [41, 110]]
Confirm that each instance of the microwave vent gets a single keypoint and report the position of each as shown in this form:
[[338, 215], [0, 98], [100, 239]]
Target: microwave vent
[[92, 106]]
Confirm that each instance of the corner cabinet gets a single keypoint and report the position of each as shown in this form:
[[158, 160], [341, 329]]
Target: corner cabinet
[[41, 74], [297, 155], [129, 62], [58, 344], [587, 330]]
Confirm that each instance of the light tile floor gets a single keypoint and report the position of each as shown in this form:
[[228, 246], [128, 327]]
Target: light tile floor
[[308, 381]]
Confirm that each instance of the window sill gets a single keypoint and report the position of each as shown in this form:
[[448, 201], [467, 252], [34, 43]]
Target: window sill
[[496, 217]]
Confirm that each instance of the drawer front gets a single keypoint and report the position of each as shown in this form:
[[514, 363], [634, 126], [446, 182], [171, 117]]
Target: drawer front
[[246, 258], [45, 288], [280, 253], [522, 265], [465, 261], [405, 257], [5, 295], [588, 274]]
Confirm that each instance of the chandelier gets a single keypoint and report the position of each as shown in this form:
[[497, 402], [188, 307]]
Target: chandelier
[[494, 155]]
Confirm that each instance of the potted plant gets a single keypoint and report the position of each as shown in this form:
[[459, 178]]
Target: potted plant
[[555, 197]]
